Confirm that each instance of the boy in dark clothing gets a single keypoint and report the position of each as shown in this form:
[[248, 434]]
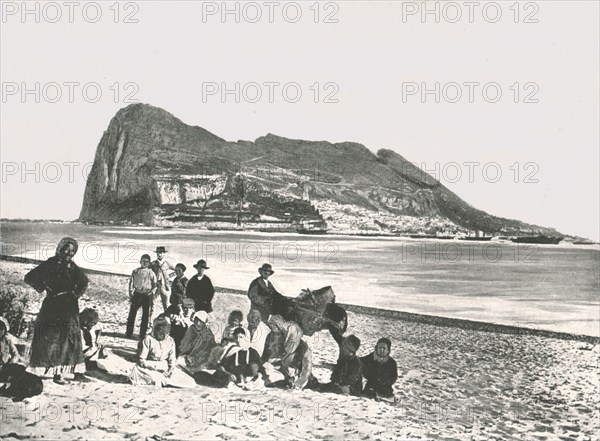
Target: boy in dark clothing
[[346, 377], [380, 371], [179, 285]]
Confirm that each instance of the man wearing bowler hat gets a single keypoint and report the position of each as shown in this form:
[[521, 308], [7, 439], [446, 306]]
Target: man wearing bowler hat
[[262, 293], [162, 268], [200, 288]]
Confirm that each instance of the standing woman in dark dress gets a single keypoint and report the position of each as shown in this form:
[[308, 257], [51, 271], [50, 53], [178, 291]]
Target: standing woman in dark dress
[[56, 342]]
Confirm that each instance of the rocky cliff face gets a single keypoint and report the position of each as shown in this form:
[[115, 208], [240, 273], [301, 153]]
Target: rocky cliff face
[[152, 168]]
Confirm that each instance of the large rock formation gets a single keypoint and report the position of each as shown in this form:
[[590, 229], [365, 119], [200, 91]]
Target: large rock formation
[[152, 168]]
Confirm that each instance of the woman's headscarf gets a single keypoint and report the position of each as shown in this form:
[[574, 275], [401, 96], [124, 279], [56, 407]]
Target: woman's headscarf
[[277, 323], [64, 242], [201, 315], [287, 338]]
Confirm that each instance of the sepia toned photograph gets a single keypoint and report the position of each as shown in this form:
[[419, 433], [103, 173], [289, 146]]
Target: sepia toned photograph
[[306, 220]]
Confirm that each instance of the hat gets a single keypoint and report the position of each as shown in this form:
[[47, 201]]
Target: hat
[[354, 341], [202, 316], [267, 267], [160, 250], [201, 264], [182, 266], [188, 303]]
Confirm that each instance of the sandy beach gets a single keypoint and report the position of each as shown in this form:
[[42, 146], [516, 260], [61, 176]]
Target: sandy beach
[[454, 383]]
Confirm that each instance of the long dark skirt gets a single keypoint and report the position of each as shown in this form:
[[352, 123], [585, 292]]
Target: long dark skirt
[[57, 335]]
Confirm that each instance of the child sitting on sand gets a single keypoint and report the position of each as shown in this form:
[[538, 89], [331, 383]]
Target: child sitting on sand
[[252, 379], [346, 377], [234, 321], [90, 333], [156, 360], [181, 318], [380, 371], [8, 350], [197, 344], [235, 366], [16, 383]]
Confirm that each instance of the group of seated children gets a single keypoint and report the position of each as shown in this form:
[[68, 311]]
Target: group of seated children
[[182, 351]]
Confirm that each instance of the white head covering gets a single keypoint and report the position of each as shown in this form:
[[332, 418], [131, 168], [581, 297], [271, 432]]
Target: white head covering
[[202, 316]]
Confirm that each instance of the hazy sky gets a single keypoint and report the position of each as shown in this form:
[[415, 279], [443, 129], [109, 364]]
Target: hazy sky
[[378, 57]]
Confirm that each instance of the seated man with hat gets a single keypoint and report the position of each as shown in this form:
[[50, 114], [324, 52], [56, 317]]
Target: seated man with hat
[[262, 293], [200, 288]]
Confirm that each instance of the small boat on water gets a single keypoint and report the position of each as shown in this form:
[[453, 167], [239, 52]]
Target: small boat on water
[[474, 238], [311, 231], [429, 236], [312, 227], [547, 240]]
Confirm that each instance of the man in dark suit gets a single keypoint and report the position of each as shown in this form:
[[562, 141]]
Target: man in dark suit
[[262, 294], [200, 289]]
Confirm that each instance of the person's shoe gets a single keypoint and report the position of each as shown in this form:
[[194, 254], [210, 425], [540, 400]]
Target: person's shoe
[[58, 379], [391, 400], [81, 378]]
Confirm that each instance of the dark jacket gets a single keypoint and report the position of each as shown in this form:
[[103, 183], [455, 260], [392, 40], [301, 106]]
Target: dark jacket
[[178, 288], [262, 297], [202, 292], [348, 372], [380, 376]]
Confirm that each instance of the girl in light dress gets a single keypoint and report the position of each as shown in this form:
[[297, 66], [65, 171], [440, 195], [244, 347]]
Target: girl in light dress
[[156, 363]]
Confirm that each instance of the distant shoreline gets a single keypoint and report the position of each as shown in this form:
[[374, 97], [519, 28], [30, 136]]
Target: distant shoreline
[[575, 240], [468, 325]]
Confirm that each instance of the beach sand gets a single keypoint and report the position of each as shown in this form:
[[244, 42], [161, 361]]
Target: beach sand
[[454, 383]]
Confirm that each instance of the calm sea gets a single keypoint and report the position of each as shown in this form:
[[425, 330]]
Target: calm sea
[[540, 286]]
